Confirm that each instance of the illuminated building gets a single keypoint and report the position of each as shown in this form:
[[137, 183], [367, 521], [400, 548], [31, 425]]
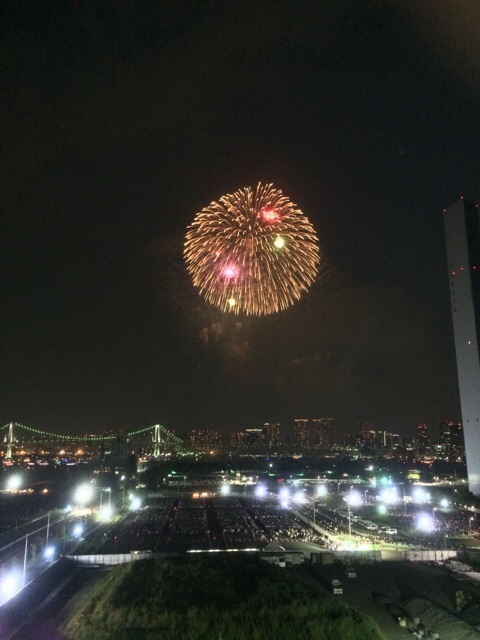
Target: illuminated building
[[366, 436], [423, 441], [300, 433], [451, 438], [462, 233], [271, 434], [322, 433], [203, 439], [253, 437], [387, 440]]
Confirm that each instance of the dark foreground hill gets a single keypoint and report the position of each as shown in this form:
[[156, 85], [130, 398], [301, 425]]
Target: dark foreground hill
[[211, 599]]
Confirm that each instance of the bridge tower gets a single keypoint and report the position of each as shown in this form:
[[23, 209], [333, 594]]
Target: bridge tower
[[157, 441], [10, 441]]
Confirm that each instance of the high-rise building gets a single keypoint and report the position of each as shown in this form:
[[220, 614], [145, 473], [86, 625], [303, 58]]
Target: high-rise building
[[366, 435], [322, 434], [423, 441], [203, 439], [271, 434], [300, 432], [451, 438], [462, 232], [254, 437]]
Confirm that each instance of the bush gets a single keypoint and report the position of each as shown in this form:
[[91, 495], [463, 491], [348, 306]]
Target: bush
[[207, 598]]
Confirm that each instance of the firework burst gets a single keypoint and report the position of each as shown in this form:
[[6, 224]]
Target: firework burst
[[253, 252]]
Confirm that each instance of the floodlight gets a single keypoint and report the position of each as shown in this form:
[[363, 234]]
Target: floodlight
[[49, 552], [225, 489], [299, 497], [11, 584], [135, 503], [14, 482], [83, 494], [260, 491], [425, 522]]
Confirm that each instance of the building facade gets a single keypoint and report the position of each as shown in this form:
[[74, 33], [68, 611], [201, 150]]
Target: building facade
[[322, 434], [301, 433]]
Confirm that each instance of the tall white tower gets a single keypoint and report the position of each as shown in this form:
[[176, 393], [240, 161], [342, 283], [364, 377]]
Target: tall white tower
[[462, 234]]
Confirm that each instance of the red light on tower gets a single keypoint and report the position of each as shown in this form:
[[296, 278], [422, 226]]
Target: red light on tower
[[269, 215]]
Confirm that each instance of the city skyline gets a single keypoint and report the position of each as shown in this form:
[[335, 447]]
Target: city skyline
[[314, 432], [122, 123]]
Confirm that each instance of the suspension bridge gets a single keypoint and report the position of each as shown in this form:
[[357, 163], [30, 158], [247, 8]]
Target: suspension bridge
[[161, 437]]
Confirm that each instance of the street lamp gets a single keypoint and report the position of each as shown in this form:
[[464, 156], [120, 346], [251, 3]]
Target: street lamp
[[353, 499], [25, 560], [318, 491], [48, 530]]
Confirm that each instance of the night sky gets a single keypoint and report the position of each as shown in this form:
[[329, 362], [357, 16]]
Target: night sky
[[121, 120]]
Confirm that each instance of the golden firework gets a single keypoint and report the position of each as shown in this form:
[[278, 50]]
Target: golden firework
[[253, 252]]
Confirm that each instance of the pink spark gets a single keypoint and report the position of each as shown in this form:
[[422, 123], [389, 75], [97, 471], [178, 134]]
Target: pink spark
[[269, 215], [230, 271]]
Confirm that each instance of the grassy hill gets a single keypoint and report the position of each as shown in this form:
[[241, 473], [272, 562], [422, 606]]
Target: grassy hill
[[211, 599]]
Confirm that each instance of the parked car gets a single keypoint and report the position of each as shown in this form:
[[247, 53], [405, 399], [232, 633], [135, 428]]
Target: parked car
[[389, 530]]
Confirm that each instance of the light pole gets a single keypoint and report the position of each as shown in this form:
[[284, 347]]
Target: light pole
[[318, 490], [25, 559], [48, 529], [352, 499]]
